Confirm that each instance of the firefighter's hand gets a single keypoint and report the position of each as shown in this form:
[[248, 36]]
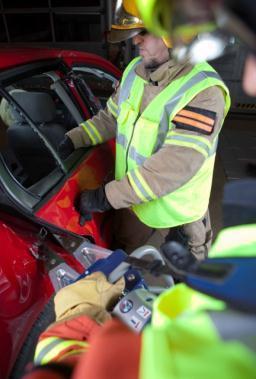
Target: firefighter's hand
[[92, 296], [93, 201], [66, 148]]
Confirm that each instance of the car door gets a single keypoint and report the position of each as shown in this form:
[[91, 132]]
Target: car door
[[42, 101]]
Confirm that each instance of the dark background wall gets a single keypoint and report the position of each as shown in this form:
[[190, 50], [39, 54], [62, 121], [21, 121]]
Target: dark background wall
[[80, 24]]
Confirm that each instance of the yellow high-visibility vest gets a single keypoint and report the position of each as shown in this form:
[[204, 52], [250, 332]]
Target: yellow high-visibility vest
[[141, 135]]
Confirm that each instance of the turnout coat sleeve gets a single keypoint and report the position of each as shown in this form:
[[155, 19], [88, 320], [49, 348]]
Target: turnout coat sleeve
[[172, 166], [99, 360]]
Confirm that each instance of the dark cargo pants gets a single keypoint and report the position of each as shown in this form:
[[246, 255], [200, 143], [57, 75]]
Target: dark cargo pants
[[130, 233]]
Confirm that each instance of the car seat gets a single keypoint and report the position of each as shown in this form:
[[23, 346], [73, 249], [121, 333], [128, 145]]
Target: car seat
[[29, 148]]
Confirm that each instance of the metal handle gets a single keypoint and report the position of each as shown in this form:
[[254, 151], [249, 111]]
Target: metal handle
[[155, 254], [148, 250], [140, 253]]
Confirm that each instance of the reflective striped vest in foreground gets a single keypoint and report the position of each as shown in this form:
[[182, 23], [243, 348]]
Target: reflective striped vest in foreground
[[54, 349], [140, 136], [194, 336]]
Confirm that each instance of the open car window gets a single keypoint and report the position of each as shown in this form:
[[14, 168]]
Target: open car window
[[45, 109], [101, 83]]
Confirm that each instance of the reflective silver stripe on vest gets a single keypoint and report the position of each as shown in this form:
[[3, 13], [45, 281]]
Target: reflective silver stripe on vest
[[173, 102], [133, 154], [214, 147], [122, 140], [47, 349], [139, 186], [127, 85], [237, 326], [191, 140]]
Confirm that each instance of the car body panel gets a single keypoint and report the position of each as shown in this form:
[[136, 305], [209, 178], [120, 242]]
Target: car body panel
[[13, 57], [60, 209], [25, 287]]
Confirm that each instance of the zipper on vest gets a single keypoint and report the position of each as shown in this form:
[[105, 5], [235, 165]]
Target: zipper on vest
[[129, 144]]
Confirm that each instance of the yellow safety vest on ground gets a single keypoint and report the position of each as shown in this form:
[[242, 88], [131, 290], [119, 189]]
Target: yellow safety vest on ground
[[141, 135]]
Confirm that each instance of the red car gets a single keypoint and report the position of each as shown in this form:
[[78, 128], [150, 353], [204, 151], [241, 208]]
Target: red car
[[44, 93]]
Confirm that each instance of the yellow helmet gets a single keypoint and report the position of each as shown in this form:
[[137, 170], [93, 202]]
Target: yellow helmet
[[127, 22]]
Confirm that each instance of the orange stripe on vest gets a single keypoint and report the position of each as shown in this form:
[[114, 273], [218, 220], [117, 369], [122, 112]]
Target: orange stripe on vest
[[196, 116], [194, 123]]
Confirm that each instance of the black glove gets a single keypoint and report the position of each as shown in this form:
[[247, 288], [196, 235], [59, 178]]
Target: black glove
[[65, 148], [93, 201]]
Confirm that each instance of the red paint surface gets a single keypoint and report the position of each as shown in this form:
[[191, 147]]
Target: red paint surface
[[90, 174], [24, 287], [13, 57]]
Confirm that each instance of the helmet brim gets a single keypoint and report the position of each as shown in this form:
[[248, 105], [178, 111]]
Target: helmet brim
[[119, 35]]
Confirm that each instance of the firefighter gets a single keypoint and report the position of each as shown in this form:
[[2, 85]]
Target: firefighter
[[166, 118], [191, 335]]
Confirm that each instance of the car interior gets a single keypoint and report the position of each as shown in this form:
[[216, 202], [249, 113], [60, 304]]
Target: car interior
[[26, 149], [23, 140], [38, 110]]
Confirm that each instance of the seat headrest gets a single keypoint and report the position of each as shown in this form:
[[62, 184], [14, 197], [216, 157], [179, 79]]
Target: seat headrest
[[39, 106]]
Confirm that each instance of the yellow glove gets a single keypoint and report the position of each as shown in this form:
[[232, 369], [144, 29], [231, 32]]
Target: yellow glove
[[91, 296]]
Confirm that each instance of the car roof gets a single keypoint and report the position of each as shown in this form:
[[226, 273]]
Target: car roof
[[12, 57]]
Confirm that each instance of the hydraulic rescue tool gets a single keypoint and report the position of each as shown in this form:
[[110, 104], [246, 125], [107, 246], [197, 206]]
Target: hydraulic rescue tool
[[148, 272], [135, 306]]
